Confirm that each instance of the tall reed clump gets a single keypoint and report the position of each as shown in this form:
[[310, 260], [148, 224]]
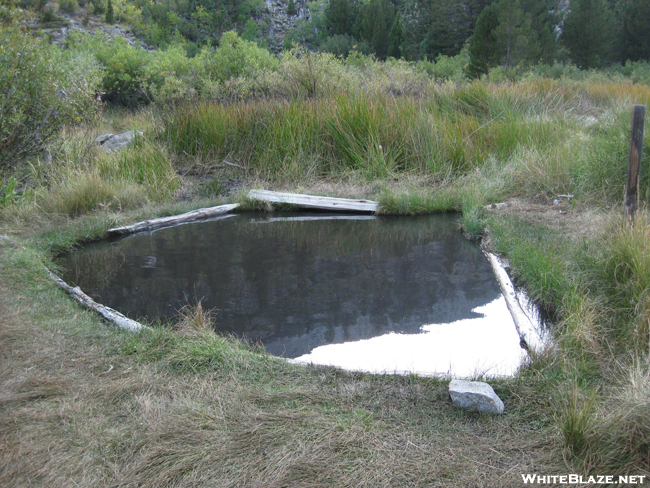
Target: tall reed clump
[[144, 163], [599, 291], [623, 274], [368, 135], [612, 436], [85, 192], [373, 134], [81, 178]]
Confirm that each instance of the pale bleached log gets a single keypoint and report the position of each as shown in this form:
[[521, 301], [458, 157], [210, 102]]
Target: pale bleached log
[[315, 218], [310, 201], [199, 214], [528, 333], [108, 313]]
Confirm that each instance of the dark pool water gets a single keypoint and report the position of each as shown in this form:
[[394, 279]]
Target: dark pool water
[[409, 294]]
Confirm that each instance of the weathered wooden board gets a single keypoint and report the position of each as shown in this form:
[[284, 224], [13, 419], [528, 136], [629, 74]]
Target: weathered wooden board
[[108, 313], [310, 201], [528, 334], [313, 218], [201, 213]]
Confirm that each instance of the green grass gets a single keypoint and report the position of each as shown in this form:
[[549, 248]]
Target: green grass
[[378, 136], [596, 283], [449, 147], [181, 406]]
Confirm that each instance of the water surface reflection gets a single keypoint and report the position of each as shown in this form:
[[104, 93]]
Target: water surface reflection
[[303, 283]]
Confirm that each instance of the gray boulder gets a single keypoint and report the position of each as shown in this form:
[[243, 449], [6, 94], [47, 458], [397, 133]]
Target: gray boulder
[[475, 395], [114, 142]]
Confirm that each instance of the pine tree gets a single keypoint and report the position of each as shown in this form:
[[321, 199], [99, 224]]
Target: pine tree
[[374, 23], [543, 23], [395, 39], [441, 36], [469, 15], [339, 15], [588, 33], [291, 8], [433, 27], [634, 30], [515, 35], [109, 13], [483, 48]]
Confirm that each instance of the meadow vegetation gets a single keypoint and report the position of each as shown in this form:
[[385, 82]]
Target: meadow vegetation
[[185, 406]]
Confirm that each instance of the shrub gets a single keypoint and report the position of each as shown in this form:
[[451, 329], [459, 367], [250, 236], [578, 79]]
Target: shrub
[[171, 76], [99, 8], [43, 90], [68, 6], [237, 57], [640, 71], [305, 73], [448, 67], [110, 13], [8, 190], [123, 71], [291, 8], [343, 45]]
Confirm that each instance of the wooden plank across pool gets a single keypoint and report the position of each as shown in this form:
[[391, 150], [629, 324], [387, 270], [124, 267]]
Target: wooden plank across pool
[[310, 201]]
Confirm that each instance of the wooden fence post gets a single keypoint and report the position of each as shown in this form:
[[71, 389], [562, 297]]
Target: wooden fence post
[[634, 161]]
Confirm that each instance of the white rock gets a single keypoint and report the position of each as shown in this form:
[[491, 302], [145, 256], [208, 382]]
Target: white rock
[[103, 138], [475, 395], [114, 142]]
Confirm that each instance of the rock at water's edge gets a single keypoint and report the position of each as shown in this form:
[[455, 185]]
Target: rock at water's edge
[[475, 395]]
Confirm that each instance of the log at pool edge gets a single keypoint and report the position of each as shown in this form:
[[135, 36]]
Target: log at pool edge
[[199, 214], [311, 201], [108, 313], [527, 332]]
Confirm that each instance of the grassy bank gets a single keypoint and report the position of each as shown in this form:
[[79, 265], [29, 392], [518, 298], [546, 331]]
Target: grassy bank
[[84, 402]]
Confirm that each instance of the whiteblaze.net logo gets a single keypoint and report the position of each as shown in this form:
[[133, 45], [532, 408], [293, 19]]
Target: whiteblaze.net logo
[[574, 479]]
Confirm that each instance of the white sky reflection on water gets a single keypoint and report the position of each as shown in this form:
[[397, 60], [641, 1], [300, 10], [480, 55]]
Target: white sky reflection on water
[[486, 345]]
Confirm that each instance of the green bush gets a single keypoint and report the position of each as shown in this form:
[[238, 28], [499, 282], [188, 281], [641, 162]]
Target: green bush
[[171, 76], [448, 67], [8, 190], [99, 7], [343, 45], [68, 6], [43, 90], [237, 57], [110, 13], [640, 71], [124, 67]]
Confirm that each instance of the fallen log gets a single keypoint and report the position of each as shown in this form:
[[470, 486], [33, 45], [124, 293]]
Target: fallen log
[[314, 218], [310, 201], [108, 313], [530, 337], [199, 214]]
